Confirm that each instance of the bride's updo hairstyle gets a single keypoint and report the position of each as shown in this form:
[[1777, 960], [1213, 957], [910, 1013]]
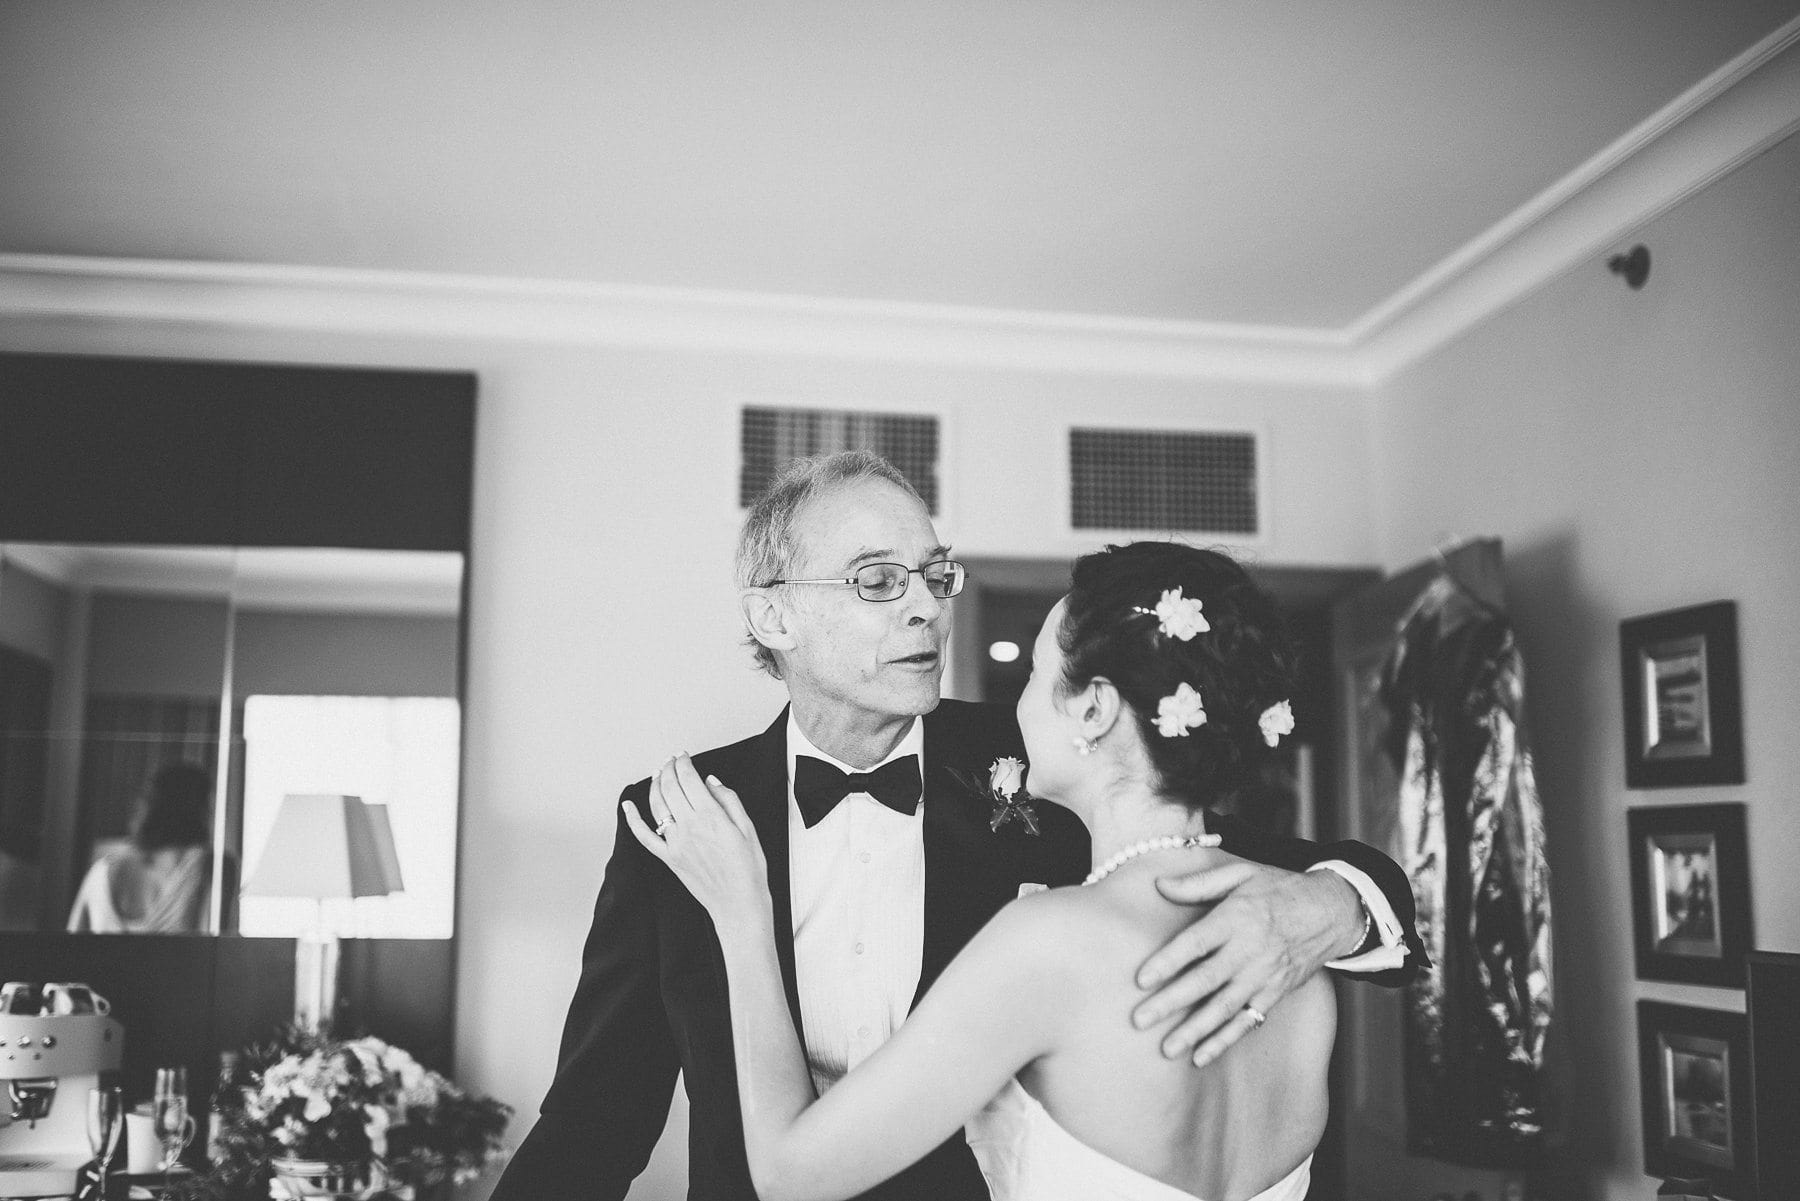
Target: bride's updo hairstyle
[[1240, 666]]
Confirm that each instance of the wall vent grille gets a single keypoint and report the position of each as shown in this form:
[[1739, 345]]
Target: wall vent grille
[[1162, 480], [770, 438]]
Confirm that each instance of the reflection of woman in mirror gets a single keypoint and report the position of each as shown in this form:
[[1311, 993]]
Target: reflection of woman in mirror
[[158, 881]]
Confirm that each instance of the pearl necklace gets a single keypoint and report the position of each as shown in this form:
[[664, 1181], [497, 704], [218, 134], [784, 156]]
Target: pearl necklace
[[1168, 842]]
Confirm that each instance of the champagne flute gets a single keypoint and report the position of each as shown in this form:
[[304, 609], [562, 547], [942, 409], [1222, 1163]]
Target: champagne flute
[[105, 1123], [173, 1124]]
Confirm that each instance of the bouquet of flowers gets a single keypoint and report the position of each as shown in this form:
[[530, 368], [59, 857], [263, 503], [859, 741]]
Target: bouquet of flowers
[[335, 1103], [348, 1101]]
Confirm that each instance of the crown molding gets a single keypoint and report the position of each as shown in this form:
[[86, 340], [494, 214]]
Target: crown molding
[[1728, 118], [487, 309], [1734, 114]]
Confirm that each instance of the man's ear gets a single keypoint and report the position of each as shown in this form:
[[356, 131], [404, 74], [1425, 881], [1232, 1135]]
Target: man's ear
[[767, 619]]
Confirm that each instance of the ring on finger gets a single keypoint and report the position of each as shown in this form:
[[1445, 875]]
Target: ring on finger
[[1257, 1017], [662, 827]]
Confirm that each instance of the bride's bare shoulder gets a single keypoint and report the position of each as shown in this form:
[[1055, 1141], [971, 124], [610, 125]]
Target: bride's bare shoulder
[[1063, 928], [1052, 908], [1032, 952]]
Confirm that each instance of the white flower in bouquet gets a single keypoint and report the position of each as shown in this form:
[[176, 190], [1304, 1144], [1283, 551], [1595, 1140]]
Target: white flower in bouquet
[[426, 1091], [363, 1101], [292, 1133], [371, 1056], [376, 1120], [318, 1106]]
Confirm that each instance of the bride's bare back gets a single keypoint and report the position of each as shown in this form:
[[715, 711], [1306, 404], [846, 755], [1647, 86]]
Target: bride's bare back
[[1222, 1132]]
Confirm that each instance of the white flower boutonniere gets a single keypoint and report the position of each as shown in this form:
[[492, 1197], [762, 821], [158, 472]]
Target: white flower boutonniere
[[1006, 789], [1006, 776]]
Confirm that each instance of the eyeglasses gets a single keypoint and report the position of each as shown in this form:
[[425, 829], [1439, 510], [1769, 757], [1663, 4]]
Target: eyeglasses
[[888, 581]]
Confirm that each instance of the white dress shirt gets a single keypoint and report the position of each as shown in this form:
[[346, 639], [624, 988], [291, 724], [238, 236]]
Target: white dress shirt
[[858, 891]]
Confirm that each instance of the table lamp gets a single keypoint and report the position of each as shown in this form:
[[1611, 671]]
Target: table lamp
[[324, 846]]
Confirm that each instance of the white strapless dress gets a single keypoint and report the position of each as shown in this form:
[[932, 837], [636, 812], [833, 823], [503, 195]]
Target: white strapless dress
[[1026, 1156]]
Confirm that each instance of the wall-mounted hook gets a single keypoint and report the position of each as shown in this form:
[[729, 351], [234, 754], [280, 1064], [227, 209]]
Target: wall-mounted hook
[[1634, 265]]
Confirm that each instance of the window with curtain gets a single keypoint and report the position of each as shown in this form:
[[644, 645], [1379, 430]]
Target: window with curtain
[[402, 752]]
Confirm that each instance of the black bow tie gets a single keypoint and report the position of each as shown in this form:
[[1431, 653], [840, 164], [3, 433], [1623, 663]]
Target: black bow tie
[[818, 786]]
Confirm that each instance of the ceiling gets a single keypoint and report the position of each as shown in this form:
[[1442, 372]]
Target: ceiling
[[1270, 164]]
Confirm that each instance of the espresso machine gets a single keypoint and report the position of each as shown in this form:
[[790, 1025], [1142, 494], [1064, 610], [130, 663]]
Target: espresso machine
[[56, 1043]]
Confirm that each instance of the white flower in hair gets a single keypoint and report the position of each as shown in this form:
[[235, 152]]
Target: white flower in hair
[[1276, 720], [1179, 616], [1180, 712]]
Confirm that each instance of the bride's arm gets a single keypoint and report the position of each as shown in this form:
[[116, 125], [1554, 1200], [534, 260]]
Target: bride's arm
[[993, 1010], [989, 1014]]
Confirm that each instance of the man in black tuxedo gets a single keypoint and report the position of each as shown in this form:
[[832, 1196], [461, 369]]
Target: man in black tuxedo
[[871, 802]]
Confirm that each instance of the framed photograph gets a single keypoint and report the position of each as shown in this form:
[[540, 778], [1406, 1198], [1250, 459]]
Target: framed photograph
[[1690, 893], [1694, 1068], [1684, 721]]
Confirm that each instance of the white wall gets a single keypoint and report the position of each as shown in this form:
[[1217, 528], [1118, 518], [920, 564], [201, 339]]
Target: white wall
[[344, 654], [602, 629], [154, 645], [1636, 451], [31, 611]]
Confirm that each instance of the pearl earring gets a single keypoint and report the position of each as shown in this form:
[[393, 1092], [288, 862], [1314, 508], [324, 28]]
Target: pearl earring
[[1085, 746]]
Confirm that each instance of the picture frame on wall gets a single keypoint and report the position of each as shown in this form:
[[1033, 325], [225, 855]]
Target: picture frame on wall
[[1694, 1077], [1684, 722], [1690, 893]]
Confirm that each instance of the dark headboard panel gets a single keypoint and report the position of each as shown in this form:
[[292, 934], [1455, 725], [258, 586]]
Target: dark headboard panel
[[234, 454]]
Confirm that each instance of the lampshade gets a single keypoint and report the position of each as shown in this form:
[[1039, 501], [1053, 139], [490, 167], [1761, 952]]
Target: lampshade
[[326, 846], [384, 846]]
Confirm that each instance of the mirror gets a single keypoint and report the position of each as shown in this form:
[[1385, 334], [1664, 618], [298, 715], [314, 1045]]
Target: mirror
[[323, 670]]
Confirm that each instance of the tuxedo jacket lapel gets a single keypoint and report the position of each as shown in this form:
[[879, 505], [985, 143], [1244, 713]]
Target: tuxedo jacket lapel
[[765, 800], [959, 860]]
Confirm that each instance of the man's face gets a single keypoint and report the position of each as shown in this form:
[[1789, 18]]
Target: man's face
[[884, 659]]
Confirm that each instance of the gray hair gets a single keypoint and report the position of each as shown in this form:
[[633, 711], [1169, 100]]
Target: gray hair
[[767, 545]]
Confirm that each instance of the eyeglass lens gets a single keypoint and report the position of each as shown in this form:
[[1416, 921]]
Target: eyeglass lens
[[888, 581]]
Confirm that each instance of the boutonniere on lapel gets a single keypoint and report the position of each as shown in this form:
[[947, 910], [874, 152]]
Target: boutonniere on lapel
[[1005, 788]]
